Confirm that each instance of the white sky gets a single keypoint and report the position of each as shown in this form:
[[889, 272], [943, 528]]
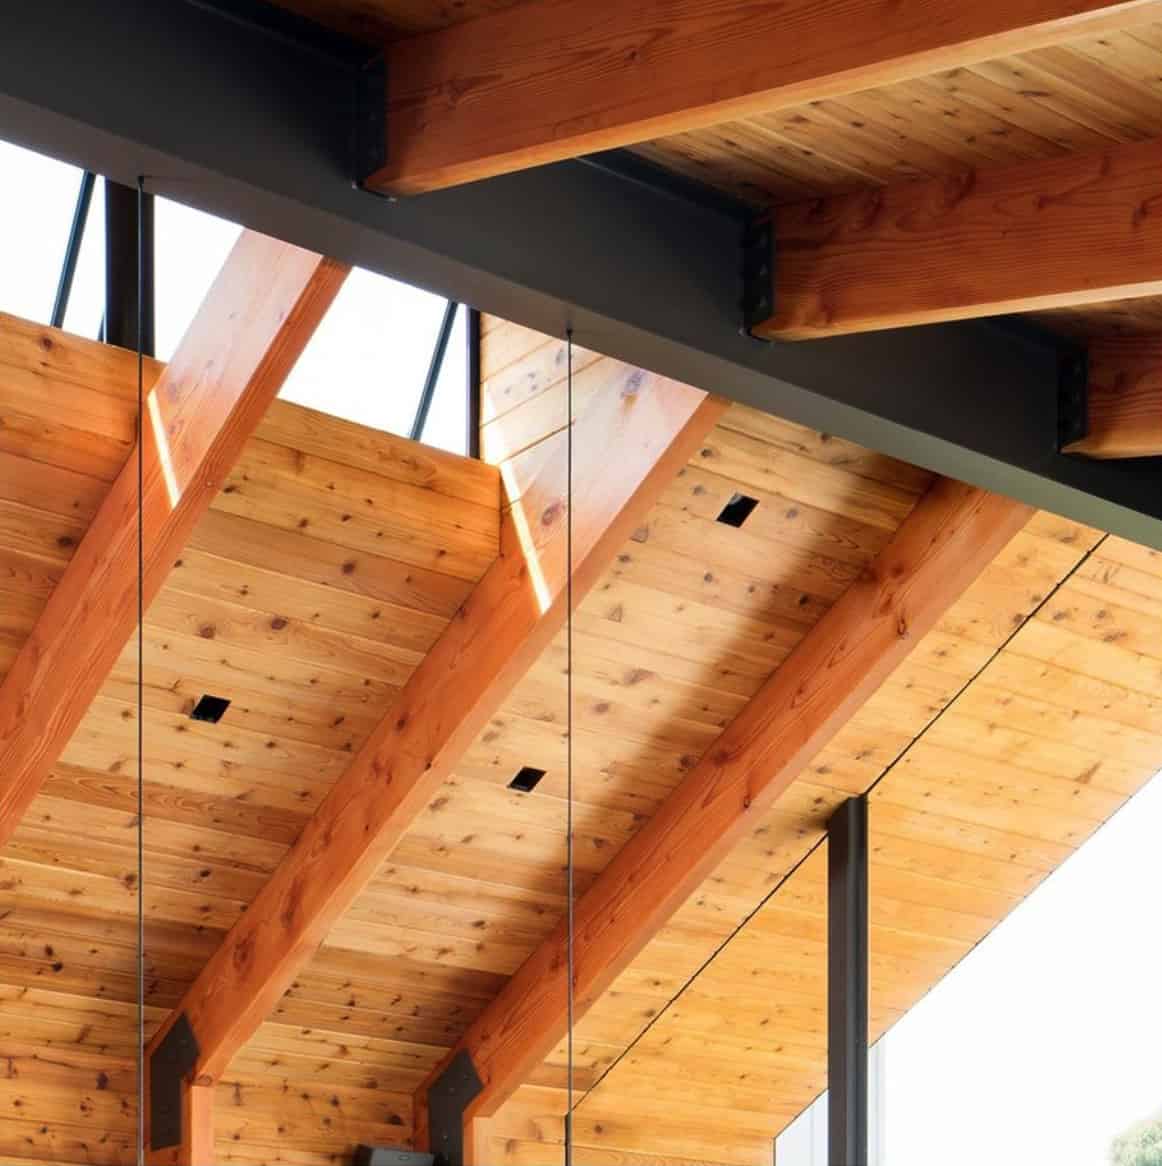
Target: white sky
[[366, 362], [1040, 1047]]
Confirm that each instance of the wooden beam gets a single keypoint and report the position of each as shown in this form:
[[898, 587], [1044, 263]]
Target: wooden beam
[[954, 532], [1125, 399], [254, 323], [630, 443], [554, 79], [1046, 234]]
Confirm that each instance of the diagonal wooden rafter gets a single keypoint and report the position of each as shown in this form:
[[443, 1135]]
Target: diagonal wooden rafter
[[255, 321], [954, 532], [1051, 233], [555, 79], [629, 444]]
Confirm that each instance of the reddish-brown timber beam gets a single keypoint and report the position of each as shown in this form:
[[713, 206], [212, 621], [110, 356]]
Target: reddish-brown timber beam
[[554, 79], [1053, 233], [1125, 399], [255, 321], [636, 434], [953, 533]]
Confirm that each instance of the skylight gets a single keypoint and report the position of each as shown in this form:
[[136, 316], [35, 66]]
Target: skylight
[[367, 362]]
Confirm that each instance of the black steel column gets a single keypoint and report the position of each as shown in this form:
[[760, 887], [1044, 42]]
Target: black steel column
[[120, 325], [847, 984], [473, 387]]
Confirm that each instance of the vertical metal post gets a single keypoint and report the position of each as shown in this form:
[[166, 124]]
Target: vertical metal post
[[847, 984], [473, 413], [121, 274], [73, 249]]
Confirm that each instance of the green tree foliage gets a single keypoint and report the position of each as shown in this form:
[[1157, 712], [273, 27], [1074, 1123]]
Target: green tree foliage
[[1140, 1145]]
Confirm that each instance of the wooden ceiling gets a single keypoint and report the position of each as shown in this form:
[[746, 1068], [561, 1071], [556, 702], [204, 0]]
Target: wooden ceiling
[[1077, 94], [324, 570], [334, 558]]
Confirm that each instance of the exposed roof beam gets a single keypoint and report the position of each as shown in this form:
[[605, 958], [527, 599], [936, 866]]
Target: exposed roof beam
[[954, 532], [630, 443], [555, 79], [640, 275], [1046, 234], [254, 322], [1124, 399]]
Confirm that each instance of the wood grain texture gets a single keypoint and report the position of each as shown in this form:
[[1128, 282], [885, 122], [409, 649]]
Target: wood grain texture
[[297, 631], [1125, 399], [257, 317], [511, 615], [943, 250], [558, 78], [938, 551]]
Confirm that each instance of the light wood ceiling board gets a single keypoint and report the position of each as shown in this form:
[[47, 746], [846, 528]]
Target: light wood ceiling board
[[201, 411], [953, 797], [498, 1059], [1078, 96], [624, 684], [296, 630], [500, 631]]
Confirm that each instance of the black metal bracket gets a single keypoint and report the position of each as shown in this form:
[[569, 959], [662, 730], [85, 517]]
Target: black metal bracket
[[448, 1098], [383, 1156], [1073, 398], [758, 272], [173, 1059], [370, 118]]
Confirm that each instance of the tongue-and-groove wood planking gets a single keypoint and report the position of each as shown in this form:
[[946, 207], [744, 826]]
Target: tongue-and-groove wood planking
[[331, 560], [309, 629], [994, 796]]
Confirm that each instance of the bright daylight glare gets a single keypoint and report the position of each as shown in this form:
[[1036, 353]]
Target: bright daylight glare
[[367, 361]]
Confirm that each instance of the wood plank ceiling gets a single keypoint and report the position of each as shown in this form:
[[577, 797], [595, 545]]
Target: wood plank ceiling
[[333, 559], [324, 570]]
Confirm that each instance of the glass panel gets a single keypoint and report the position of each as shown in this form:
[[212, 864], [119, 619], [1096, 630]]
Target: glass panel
[[190, 248], [1048, 1031], [369, 357], [87, 299], [39, 195]]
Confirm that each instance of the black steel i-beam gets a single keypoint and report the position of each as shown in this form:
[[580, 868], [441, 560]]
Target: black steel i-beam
[[232, 109], [121, 267], [847, 984]]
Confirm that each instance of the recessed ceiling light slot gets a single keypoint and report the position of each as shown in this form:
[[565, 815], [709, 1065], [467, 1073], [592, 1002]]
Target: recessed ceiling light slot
[[210, 708], [738, 509], [526, 779]]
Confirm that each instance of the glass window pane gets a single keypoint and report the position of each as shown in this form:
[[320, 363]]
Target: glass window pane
[[191, 247], [39, 195], [87, 300], [368, 359]]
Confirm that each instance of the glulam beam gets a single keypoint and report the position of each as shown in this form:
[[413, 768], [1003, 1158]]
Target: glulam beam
[[555, 79], [1053, 233], [255, 321], [954, 532], [636, 434]]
